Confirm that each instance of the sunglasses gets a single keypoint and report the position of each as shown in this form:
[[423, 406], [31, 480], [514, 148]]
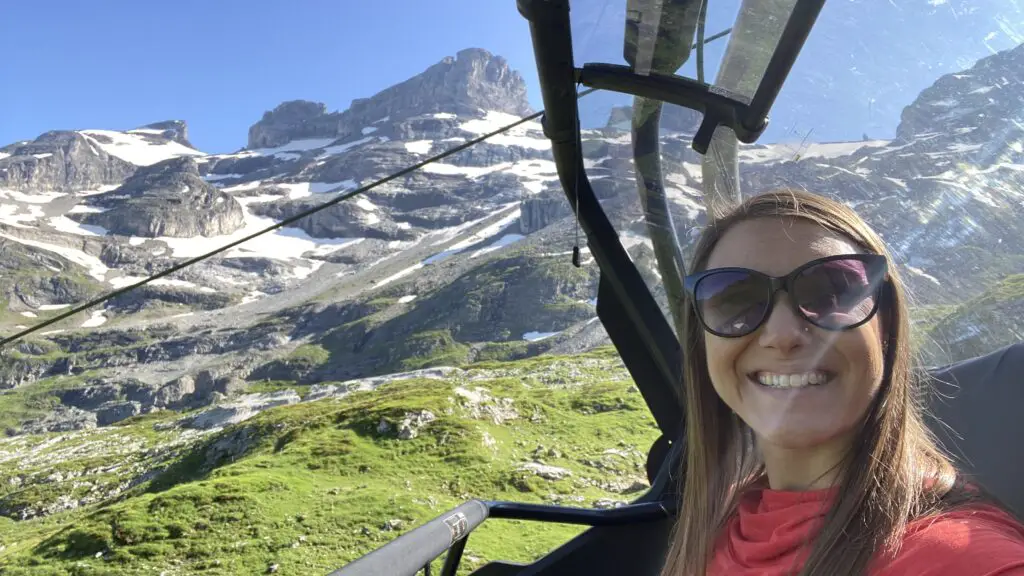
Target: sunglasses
[[833, 293]]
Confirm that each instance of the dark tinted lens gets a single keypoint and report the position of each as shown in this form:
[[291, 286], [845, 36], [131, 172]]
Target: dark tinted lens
[[732, 302], [838, 293]]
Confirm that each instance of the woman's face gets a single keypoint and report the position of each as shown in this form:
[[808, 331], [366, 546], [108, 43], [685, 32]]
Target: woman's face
[[807, 413]]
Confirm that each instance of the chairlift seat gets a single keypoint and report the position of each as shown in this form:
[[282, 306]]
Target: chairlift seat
[[976, 415]]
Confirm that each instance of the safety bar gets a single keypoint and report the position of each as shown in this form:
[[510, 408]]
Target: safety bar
[[410, 552]]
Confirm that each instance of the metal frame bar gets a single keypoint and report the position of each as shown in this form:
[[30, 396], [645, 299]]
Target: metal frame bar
[[625, 298]]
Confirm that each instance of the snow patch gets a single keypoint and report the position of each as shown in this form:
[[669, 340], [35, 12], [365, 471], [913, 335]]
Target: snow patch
[[303, 189], [283, 243], [897, 181], [477, 237], [97, 319], [33, 198], [400, 275], [960, 147], [136, 149], [366, 205], [303, 272], [342, 148], [252, 296], [65, 224], [14, 215], [517, 136], [48, 307], [468, 171], [924, 274], [97, 269], [369, 130], [407, 299], [83, 209], [419, 146], [293, 146], [501, 243], [537, 336], [216, 177]]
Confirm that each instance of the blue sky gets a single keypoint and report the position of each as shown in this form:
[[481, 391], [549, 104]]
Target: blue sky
[[220, 64]]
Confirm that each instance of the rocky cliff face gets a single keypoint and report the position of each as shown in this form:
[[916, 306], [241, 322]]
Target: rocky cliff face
[[173, 130], [974, 103], [946, 193], [472, 81], [293, 120], [542, 211], [60, 161], [167, 199]]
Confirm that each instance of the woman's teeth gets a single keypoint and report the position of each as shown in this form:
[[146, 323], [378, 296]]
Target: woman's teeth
[[791, 380]]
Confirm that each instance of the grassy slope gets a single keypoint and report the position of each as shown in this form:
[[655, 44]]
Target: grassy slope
[[980, 325], [318, 483]]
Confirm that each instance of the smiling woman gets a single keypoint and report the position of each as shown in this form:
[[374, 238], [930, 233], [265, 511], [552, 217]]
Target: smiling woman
[[806, 450]]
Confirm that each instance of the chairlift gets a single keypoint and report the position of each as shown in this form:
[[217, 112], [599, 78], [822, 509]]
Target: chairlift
[[660, 36]]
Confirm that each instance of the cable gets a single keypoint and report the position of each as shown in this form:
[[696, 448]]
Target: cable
[[285, 222]]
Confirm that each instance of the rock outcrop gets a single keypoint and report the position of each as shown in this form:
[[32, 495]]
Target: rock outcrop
[[471, 81], [541, 211], [173, 130], [293, 120], [60, 161], [167, 199]]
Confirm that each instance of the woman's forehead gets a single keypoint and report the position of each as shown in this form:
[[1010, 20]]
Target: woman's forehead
[[777, 245]]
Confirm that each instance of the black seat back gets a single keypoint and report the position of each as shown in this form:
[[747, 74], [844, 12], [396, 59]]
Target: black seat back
[[976, 412]]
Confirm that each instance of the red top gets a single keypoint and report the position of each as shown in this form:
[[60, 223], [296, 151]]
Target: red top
[[767, 535]]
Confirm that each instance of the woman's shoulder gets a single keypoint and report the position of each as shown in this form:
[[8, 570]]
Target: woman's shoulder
[[976, 540]]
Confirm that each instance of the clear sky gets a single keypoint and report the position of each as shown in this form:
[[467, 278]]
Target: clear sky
[[219, 64]]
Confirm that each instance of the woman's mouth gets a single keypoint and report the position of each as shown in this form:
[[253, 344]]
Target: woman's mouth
[[792, 380]]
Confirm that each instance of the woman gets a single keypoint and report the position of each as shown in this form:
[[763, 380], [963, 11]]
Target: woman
[[806, 448]]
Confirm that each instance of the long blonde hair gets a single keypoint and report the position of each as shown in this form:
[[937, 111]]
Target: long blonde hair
[[893, 473]]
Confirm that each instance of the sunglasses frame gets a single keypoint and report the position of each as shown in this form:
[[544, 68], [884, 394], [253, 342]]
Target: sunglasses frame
[[776, 283]]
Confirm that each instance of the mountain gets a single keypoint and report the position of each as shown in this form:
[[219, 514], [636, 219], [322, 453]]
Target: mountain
[[459, 85], [462, 260], [252, 355]]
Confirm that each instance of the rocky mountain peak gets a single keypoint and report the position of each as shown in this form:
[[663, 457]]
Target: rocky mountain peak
[[292, 120], [978, 100], [472, 80], [465, 84], [59, 160], [174, 130], [178, 165]]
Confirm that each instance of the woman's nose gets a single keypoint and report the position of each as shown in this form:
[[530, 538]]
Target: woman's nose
[[784, 330]]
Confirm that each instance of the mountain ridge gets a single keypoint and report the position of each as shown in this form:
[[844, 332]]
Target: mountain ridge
[[421, 258]]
